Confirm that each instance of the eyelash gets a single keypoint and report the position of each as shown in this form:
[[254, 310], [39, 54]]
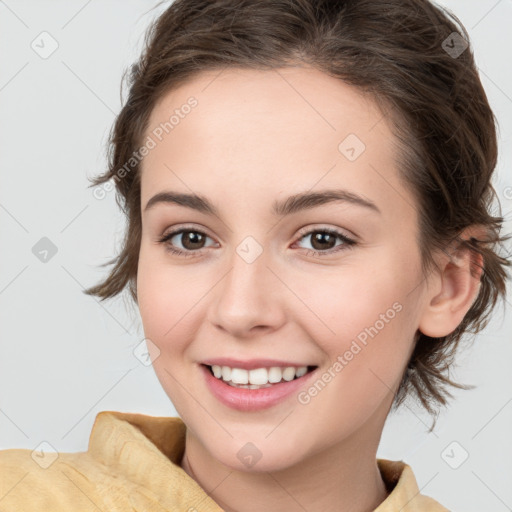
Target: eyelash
[[348, 243]]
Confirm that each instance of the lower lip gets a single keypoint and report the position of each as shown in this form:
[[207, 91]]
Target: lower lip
[[244, 399]]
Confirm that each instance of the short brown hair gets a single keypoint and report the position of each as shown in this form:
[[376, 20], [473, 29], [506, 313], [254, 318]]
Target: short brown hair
[[410, 56]]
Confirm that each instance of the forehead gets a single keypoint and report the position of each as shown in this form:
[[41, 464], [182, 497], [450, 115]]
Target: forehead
[[274, 100], [270, 131]]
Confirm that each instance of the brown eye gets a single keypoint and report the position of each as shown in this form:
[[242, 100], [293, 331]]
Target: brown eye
[[191, 241], [323, 241]]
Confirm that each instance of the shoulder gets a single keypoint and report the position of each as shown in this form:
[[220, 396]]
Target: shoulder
[[130, 461], [404, 493], [32, 480], [427, 504]]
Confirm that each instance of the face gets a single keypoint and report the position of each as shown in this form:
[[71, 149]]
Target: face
[[332, 282]]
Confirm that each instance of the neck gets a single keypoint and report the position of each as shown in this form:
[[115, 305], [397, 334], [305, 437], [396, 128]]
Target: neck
[[342, 478]]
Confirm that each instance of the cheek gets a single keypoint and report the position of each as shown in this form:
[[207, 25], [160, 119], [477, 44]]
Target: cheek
[[170, 306], [365, 324], [349, 299], [166, 298], [366, 350]]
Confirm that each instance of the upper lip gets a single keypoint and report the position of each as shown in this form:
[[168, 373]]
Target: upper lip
[[250, 364]]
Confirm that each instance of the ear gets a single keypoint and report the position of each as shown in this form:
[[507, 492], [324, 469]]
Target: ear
[[453, 288]]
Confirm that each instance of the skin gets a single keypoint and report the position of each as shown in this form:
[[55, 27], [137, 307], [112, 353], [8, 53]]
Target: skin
[[256, 137]]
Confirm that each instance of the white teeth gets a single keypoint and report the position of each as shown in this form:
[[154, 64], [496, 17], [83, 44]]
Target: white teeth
[[289, 373], [258, 376], [249, 386], [275, 374], [226, 373], [252, 379], [239, 376], [301, 371]]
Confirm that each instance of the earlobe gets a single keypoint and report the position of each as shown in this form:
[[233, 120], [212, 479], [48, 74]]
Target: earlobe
[[454, 289]]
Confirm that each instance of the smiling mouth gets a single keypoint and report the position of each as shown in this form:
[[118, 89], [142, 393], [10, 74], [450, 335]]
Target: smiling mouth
[[258, 378]]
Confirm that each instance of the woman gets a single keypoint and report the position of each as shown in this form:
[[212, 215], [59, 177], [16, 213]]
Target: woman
[[307, 187]]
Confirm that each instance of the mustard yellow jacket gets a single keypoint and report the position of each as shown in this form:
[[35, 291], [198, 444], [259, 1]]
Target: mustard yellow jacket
[[133, 464]]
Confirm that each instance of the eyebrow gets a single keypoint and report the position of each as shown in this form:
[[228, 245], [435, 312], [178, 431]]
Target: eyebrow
[[293, 204]]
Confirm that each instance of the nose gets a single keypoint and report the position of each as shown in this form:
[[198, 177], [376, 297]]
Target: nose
[[247, 300]]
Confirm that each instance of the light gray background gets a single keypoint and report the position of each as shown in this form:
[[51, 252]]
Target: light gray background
[[64, 357]]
